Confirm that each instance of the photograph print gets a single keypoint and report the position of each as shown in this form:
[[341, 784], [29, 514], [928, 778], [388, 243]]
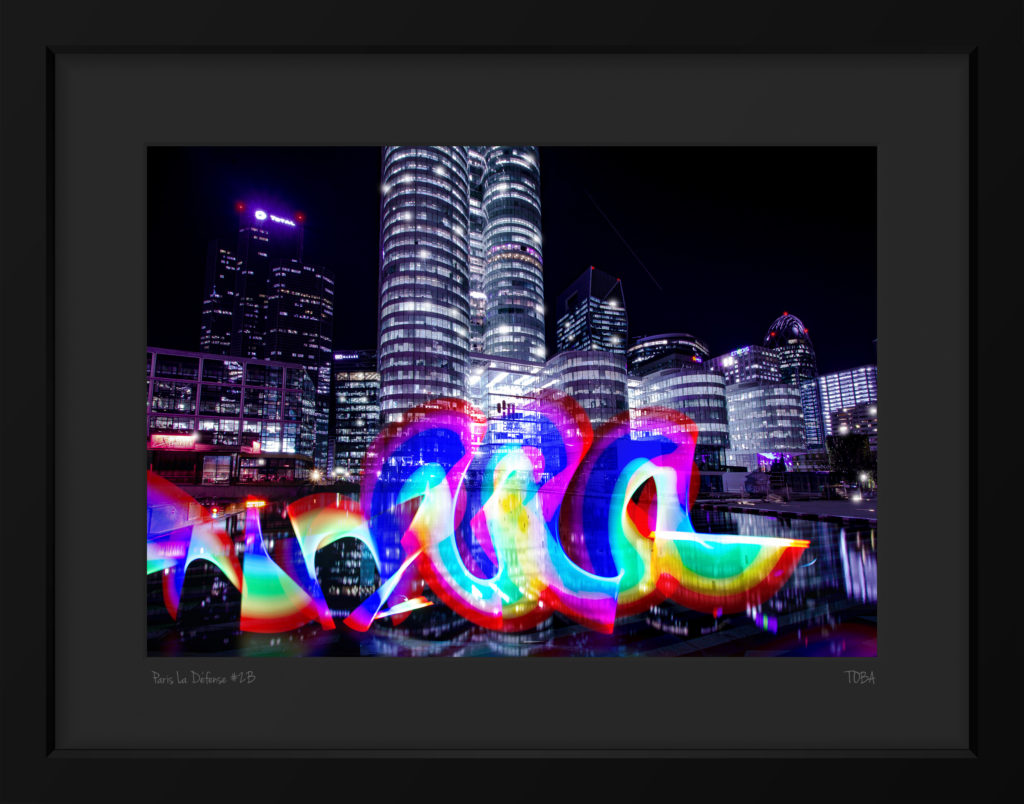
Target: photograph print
[[511, 401]]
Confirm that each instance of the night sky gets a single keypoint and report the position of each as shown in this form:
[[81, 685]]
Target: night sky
[[733, 236]]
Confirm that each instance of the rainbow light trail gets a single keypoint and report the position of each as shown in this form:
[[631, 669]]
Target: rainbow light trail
[[594, 526]]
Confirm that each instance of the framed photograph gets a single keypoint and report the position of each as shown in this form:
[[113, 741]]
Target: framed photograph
[[454, 449], [461, 489]]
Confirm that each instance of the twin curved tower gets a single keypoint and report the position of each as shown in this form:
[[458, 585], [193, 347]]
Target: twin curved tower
[[461, 267]]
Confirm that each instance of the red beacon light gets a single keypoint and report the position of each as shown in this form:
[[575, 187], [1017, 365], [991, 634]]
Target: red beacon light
[[240, 206], [300, 217]]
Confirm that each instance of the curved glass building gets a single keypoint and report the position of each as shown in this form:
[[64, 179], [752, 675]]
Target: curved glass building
[[700, 394], [789, 339], [424, 316], [514, 270], [670, 350], [477, 260], [763, 418], [595, 379]]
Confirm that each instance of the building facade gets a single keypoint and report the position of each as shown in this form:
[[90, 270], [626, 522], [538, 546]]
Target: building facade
[[595, 379], [423, 339], [477, 256], [845, 389], [677, 350], [859, 419], [355, 384], [592, 315], [514, 269], [749, 364], [502, 389], [265, 238], [789, 339], [300, 329], [699, 393], [764, 418], [219, 299], [219, 419]]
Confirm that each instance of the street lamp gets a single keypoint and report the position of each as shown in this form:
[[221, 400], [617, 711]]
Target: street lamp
[[315, 475]]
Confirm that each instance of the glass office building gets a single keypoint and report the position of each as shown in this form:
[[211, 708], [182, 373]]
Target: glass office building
[[219, 419], [265, 238], [595, 379], [423, 339], [670, 350], [845, 389], [859, 419], [219, 299], [356, 393], [697, 392], [789, 339], [300, 329], [592, 314], [502, 389], [477, 259], [749, 364], [763, 418], [514, 269]]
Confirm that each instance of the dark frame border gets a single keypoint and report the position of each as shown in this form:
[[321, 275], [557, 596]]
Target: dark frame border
[[33, 34]]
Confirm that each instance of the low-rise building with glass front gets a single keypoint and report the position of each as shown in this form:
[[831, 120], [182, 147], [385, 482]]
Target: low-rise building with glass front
[[225, 420], [355, 389], [763, 418]]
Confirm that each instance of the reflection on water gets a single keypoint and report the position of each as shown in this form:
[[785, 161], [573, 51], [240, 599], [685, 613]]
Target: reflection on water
[[826, 608]]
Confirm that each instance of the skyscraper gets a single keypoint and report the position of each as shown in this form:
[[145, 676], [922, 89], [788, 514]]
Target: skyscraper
[[299, 328], [264, 239], [592, 314], [262, 301], [423, 320], [477, 258], [218, 299], [356, 393], [788, 337], [514, 270]]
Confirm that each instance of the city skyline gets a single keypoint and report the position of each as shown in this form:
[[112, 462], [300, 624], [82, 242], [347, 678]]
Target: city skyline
[[733, 279], [470, 472]]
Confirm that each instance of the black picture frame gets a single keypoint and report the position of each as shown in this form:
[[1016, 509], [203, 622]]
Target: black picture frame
[[34, 34]]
